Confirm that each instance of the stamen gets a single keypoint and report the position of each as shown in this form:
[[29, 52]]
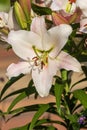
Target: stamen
[[72, 1], [2, 23], [68, 7], [42, 64], [71, 6], [35, 59]]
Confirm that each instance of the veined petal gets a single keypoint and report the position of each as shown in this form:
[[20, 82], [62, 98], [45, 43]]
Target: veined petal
[[42, 81], [14, 70], [58, 4], [58, 38], [66, 61], [52, 66], [54, 6], [83, 6], [38, 26], [22, 42]]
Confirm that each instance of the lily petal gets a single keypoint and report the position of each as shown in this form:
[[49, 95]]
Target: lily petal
[[42, 80], [12, 23], [59, 36], [68, 62], [52, 66], [83, 6], [83, 25], [22, 42], [58, 4], [38, 26], [14, 70]]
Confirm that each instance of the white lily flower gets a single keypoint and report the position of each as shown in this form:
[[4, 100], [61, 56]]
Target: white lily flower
[[7, 20], [41, 51], [69, 6], [66, 5]]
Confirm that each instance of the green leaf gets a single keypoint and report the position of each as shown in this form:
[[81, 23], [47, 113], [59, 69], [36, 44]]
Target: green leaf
[[44, 121], [42, 109], [9, 83], [20, 91], [41, 10], [13, 93], [81, 96], [4, 5], [58, 89], [28, 91], [24, 109]]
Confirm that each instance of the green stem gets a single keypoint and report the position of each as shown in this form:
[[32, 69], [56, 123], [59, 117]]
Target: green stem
[[64, 79], [64, 76]]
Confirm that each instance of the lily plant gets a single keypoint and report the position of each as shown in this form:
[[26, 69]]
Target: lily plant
[[42, 54]]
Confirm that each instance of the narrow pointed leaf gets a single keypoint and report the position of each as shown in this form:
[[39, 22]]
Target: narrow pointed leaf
[[9, 83], [58, 89], [19, 91], [81, 96], [42, 109], [13, 93], [21, 96]]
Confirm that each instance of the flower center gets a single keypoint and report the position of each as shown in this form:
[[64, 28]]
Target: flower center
[[41, 58], [70, 6]]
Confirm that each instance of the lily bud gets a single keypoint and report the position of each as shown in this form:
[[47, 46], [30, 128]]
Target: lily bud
[[58, 19], [72, 18], [20, 16], [26, 6], [75, 17]]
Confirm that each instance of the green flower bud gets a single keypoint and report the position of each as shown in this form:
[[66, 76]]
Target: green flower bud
[[20, 16], [26, 6]]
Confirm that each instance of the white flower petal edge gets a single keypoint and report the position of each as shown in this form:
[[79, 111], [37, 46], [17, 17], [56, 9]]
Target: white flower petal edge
[[42, 81], [68, 62], [22, 42], [59, 36], [82, 4], [58, 4], [16, 69], [38, 26], [83, 25]]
